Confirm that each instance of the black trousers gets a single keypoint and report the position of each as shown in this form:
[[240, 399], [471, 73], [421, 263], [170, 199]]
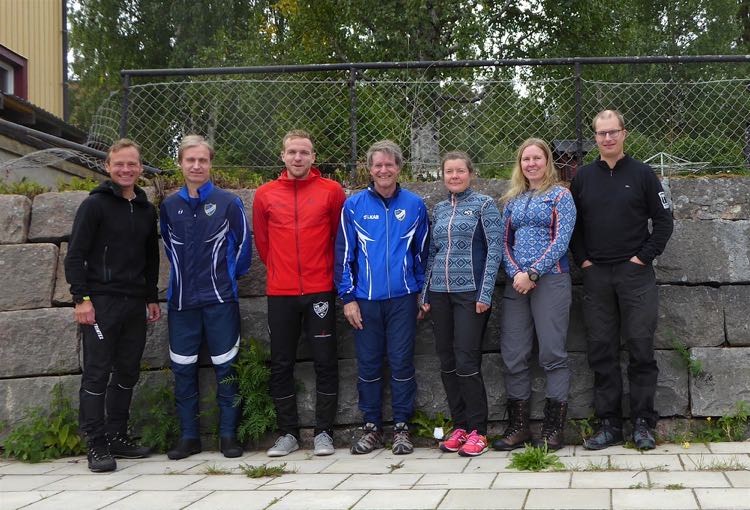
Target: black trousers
[[111, 363], [286, 317], [622, 300], [458, 331]]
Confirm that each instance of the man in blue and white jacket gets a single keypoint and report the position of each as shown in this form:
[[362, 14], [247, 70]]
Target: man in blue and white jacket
[[208, 241], [381, 253]]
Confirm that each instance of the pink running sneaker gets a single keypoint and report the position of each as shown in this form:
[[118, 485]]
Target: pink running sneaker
[[454, 442], [476, 444]]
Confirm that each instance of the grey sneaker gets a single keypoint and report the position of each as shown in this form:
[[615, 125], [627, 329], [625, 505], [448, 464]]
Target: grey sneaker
[[284, 446], [401, 440], [323, 444]]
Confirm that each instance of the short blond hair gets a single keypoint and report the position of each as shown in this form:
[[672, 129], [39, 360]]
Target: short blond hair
[[123, 143], [296, 133], [191, 141], [606, 114]]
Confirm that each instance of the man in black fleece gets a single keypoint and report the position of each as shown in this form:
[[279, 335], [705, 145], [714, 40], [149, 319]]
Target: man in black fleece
[[615, 197], [112, 267]]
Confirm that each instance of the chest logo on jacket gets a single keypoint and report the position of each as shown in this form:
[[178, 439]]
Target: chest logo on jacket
[[209, 209], [321, 309], [468, 212], [400, 214]]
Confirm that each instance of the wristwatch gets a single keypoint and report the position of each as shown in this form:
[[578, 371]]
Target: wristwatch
[[533, 275], [80, 299]]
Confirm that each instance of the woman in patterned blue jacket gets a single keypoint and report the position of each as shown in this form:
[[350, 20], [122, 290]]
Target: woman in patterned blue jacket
[[465, 255], [539, 215]]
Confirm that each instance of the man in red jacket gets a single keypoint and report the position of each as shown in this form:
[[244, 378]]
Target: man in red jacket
[[295, 220]]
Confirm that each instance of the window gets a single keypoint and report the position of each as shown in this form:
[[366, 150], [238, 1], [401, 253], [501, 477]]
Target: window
[[13, 78], [6, 78]]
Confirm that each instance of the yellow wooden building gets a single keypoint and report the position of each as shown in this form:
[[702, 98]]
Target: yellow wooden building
[[32, 59]]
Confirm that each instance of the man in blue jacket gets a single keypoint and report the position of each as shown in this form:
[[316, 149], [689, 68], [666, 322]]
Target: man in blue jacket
[[381, 252], [208, 241]]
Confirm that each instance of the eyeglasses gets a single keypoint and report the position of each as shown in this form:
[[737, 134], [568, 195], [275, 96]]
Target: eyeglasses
[[612, 133]]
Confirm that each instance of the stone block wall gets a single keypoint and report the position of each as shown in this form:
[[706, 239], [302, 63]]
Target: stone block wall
[[704, 290]]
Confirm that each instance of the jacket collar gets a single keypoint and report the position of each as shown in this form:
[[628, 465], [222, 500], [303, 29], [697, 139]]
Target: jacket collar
[[460, 196], [313, 175], [203, 192]]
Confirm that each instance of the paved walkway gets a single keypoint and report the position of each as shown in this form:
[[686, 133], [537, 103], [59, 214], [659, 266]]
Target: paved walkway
[[714, 476]]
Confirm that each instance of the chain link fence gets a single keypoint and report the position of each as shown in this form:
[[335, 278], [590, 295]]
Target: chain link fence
[[676, 125]]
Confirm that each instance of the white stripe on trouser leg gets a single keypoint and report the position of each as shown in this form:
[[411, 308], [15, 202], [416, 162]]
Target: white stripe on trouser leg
[[466, 375], [403, 380], [227, 356], [370, 380], [182, 360]]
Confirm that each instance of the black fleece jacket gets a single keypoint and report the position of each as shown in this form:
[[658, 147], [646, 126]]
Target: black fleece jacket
[[114, 245], [614, 206]]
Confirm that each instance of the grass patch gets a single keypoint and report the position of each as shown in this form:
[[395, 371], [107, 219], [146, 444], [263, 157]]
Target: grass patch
[[674, 486], [641, 485], [265, 471], [732, 464], [536, 459], [394, 467], [213, 469]]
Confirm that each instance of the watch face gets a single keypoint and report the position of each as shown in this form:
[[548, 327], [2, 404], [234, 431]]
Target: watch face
[[533, 276]]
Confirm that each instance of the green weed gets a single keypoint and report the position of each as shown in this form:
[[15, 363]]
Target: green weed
[[264, 471], [77, 184], [24, 187], [424, 426], [46, 434], [731, 427], [535, 459], [693, 364], [153, 416], [258, 414], [216, 470]]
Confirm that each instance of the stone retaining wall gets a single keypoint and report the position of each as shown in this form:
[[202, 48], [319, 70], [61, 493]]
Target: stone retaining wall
[[703, 281]]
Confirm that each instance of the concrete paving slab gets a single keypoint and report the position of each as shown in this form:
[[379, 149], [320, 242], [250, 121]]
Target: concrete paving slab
[[17, 483], [647, 462], [608, 479], [735, 447], [217, 467], [397, 481], [319, 500], [558, 499], [527, 480], [159, 482], [20, 468], [456, 465], [490, 499], [716, 462], [89, 482], [736, 478], [400, 500], [612, 450], [419, 453], [316, 465], [653, 499], [316, 481], [587, 463], [167, 467], [456, 481], [15, 500], [488, 465], [90, 500], [163, 500], [237, 500], [722, 499], [677, 449], [227, 483], [689, 479]]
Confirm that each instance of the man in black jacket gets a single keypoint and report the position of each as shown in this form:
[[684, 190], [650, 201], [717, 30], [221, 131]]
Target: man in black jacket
[[615, 197], [112, 267]]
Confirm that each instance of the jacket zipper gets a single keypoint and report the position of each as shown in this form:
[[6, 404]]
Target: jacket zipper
[[130, 246], [448, 251], [296, 238], [387, 248]]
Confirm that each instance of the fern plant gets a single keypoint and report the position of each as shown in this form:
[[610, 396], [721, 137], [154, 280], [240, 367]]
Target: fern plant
[[153, 416], [46, 434], [424, 426], [253, 398]]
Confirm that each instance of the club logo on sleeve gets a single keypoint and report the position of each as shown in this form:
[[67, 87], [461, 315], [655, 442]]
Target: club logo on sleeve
[[663, 198], [209, 209], [400, 214], [321, 309]]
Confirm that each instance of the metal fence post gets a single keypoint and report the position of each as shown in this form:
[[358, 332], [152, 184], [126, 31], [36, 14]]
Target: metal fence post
[[353, 120], [125, 105], [579, 115]]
